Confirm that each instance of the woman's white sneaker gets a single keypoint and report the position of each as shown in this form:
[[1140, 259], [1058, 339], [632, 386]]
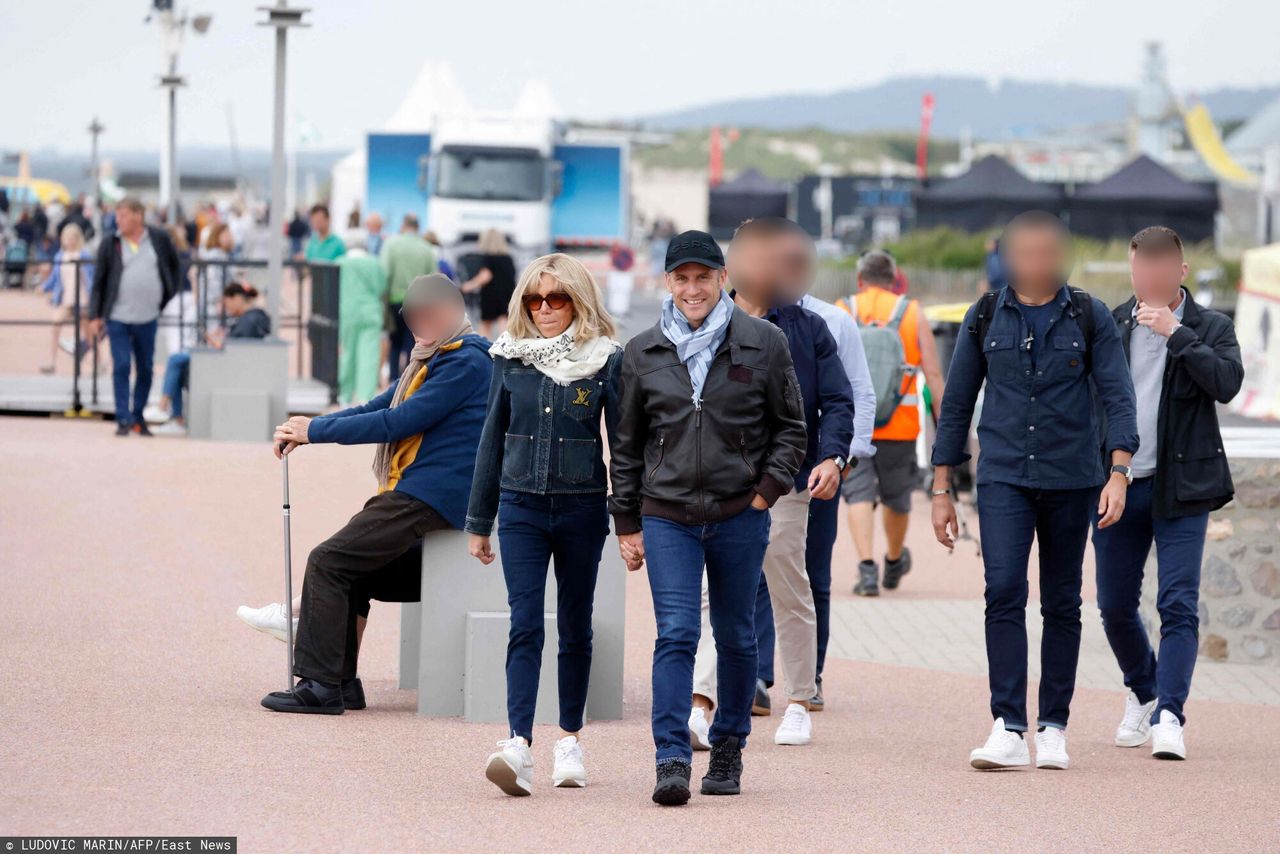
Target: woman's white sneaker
[[511, 768], [796, 727], [1051, 749], [1004, 749], [1166, 737], [568, 771], [699, 729], [1135, 726], [268, 618]]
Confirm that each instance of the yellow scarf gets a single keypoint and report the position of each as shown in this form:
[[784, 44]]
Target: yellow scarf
[[405, 451]]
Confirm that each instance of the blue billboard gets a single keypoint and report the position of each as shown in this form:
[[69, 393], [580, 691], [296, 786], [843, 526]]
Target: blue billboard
[[590, 205], [395, 180]]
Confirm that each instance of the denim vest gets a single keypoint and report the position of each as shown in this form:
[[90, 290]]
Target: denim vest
[[541, 437]]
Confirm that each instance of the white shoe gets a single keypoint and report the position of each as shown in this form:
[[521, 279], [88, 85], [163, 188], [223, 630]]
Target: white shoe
[[511, 768], [699, 729], [1051, 749], [153, 414], [568, 772], [172, 427], [1135, 727], [1166, 737], [1003, 749], [269, 619], [796, 726]]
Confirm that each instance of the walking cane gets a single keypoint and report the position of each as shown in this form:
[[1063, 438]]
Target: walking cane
[[288, 571]]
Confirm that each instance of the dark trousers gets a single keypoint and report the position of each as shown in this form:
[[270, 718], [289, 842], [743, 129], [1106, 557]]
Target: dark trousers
[[567, 531], [376, 555], [1121, 551], [401, 342], [766, 634], [1009, 517], [132, 345], [733, 553]]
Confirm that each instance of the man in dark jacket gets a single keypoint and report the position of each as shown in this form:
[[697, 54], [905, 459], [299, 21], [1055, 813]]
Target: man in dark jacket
[[427, 428], [135, 277], [710, 435], [1184, 360]]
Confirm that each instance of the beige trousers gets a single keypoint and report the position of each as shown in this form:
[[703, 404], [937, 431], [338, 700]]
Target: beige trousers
[[793, 615]]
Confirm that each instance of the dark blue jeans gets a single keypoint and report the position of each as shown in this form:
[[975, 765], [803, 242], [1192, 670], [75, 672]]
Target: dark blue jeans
[[567, 531], [132, 344], [175, 381], [1121, 551], [1009, 517], [733, 553]]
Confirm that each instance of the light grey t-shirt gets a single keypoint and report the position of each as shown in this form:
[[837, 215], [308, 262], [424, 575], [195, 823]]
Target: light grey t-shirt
[[141, 290], [1148, 353]]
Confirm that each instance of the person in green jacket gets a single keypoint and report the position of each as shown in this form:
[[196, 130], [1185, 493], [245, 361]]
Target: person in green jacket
[[405, 256], [362, 293], [324, 245]]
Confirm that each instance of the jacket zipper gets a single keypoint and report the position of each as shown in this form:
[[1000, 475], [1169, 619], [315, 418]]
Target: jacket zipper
[[697, 425], [742, 447], [653, 472]]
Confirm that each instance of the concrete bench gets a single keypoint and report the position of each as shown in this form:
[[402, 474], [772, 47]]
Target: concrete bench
[[238, 392], [453, 644]]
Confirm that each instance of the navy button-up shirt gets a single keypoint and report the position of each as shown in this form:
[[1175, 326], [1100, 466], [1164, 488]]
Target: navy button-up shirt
[[1038, 427]]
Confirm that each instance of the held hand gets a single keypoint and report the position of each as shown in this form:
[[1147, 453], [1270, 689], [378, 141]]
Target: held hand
[[1111, 501], [631, 547], [945, 525], [478, 546], [1159, 320], [824, 480], [95, 329], [759, 503]]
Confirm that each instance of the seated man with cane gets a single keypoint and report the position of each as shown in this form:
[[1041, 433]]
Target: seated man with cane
[[426, 427]]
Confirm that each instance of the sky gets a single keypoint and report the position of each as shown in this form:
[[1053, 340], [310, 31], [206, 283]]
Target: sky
[[65, 61]]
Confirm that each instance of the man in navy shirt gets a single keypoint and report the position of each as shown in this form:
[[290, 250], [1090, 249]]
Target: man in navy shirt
[[1039, 345]]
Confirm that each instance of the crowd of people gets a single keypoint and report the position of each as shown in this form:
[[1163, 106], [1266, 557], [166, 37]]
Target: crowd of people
[[732, 424]]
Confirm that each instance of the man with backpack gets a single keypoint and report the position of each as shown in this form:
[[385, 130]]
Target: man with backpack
[[899, 345], [1045, 350]]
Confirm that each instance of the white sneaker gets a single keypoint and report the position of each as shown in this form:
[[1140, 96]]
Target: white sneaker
[[1003, 749], [796, 726], [511, 768], [699, 729], [269, 619], [569, 772], [172, 427], [1051, 749], [153, 414], [1135, 727], [1166, 737]]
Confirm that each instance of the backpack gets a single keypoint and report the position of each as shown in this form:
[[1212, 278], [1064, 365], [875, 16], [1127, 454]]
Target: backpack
[[886, 359], [1081, 310]]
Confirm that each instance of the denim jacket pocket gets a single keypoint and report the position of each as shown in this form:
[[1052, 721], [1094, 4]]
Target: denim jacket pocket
[[582, 399], [577, 460], [1069, 355], [1002, 358], [517, 458]]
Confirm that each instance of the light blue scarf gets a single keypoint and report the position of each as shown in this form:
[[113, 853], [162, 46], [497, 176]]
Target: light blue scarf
[[697, 347]]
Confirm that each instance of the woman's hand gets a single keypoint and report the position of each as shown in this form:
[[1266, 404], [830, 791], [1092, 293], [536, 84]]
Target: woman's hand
[[631, 547], [478, 546]]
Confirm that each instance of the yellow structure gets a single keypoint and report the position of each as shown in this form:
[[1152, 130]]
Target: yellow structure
[[1204, 136]]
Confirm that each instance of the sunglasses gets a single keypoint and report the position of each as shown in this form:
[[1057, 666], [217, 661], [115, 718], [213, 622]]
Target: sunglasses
[[533, 302]]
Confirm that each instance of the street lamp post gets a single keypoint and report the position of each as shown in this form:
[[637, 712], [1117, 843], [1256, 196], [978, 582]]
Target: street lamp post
[[95, 175]]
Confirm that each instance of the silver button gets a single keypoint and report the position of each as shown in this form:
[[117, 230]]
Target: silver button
[[993, 343], [1033, 398], [1032, 428], [1075, 343], [1031, 456], [548, 409]]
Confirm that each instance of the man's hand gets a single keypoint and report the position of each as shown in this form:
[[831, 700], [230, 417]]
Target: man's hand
[[945, 525], [282, 449], [759, 503], [631, 547], [1111, 501], [95, 328], [824, 480], [292, 432], [1160, 320], [478, 545]]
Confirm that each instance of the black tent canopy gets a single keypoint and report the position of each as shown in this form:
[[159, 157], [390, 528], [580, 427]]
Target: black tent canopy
[[748, 195], [1141, 194], [987, 196]]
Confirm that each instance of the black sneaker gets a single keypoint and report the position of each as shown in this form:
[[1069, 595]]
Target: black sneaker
[[817, 704], [895, 569], [868, 579], [308, 697], [672, 789], [353, 695], [761, 706], [122, 429], [142, 429], [724, 774]]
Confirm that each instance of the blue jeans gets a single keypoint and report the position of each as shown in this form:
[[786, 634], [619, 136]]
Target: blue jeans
[[1121, 551], [132, 345], [1008, 517], [175, 380], [733, 552], [533, 530], [766, 634]]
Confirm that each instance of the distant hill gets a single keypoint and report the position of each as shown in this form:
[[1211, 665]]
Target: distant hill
[[1013, 108]]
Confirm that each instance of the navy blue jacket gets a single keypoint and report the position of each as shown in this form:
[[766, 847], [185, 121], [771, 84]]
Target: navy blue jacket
[[1038, 427], [824, 386], [448, 410], [541, 437]]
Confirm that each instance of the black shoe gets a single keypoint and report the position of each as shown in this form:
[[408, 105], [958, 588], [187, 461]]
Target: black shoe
[[761, 706], [895, 569], [308, 697], [868, 579], [672, 789], [142, 429], [353, 695], [724, 774], [817, 704], [122, 429]]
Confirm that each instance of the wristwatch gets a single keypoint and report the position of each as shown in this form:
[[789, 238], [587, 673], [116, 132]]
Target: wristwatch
[[1126, 471], [841, 462]]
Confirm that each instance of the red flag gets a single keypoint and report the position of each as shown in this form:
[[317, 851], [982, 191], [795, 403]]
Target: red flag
[[716, 167], [922, 145]]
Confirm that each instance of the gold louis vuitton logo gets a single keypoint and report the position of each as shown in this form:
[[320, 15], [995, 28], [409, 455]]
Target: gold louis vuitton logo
[[581, 399]]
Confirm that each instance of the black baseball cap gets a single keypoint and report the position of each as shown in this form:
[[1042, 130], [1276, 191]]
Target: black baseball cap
[[694, 247]]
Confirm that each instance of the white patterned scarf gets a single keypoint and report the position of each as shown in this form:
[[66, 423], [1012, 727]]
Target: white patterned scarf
[[697, 347], [561, 358]]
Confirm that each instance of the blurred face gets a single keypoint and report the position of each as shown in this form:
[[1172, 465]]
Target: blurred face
[[695, 290], [796, 267], [128, 221], [319, 223], [1037, 259], [549, 307], [753, 268], [225, 240], [374, 223], [1157, 276], [236, 305], [433, 322]]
